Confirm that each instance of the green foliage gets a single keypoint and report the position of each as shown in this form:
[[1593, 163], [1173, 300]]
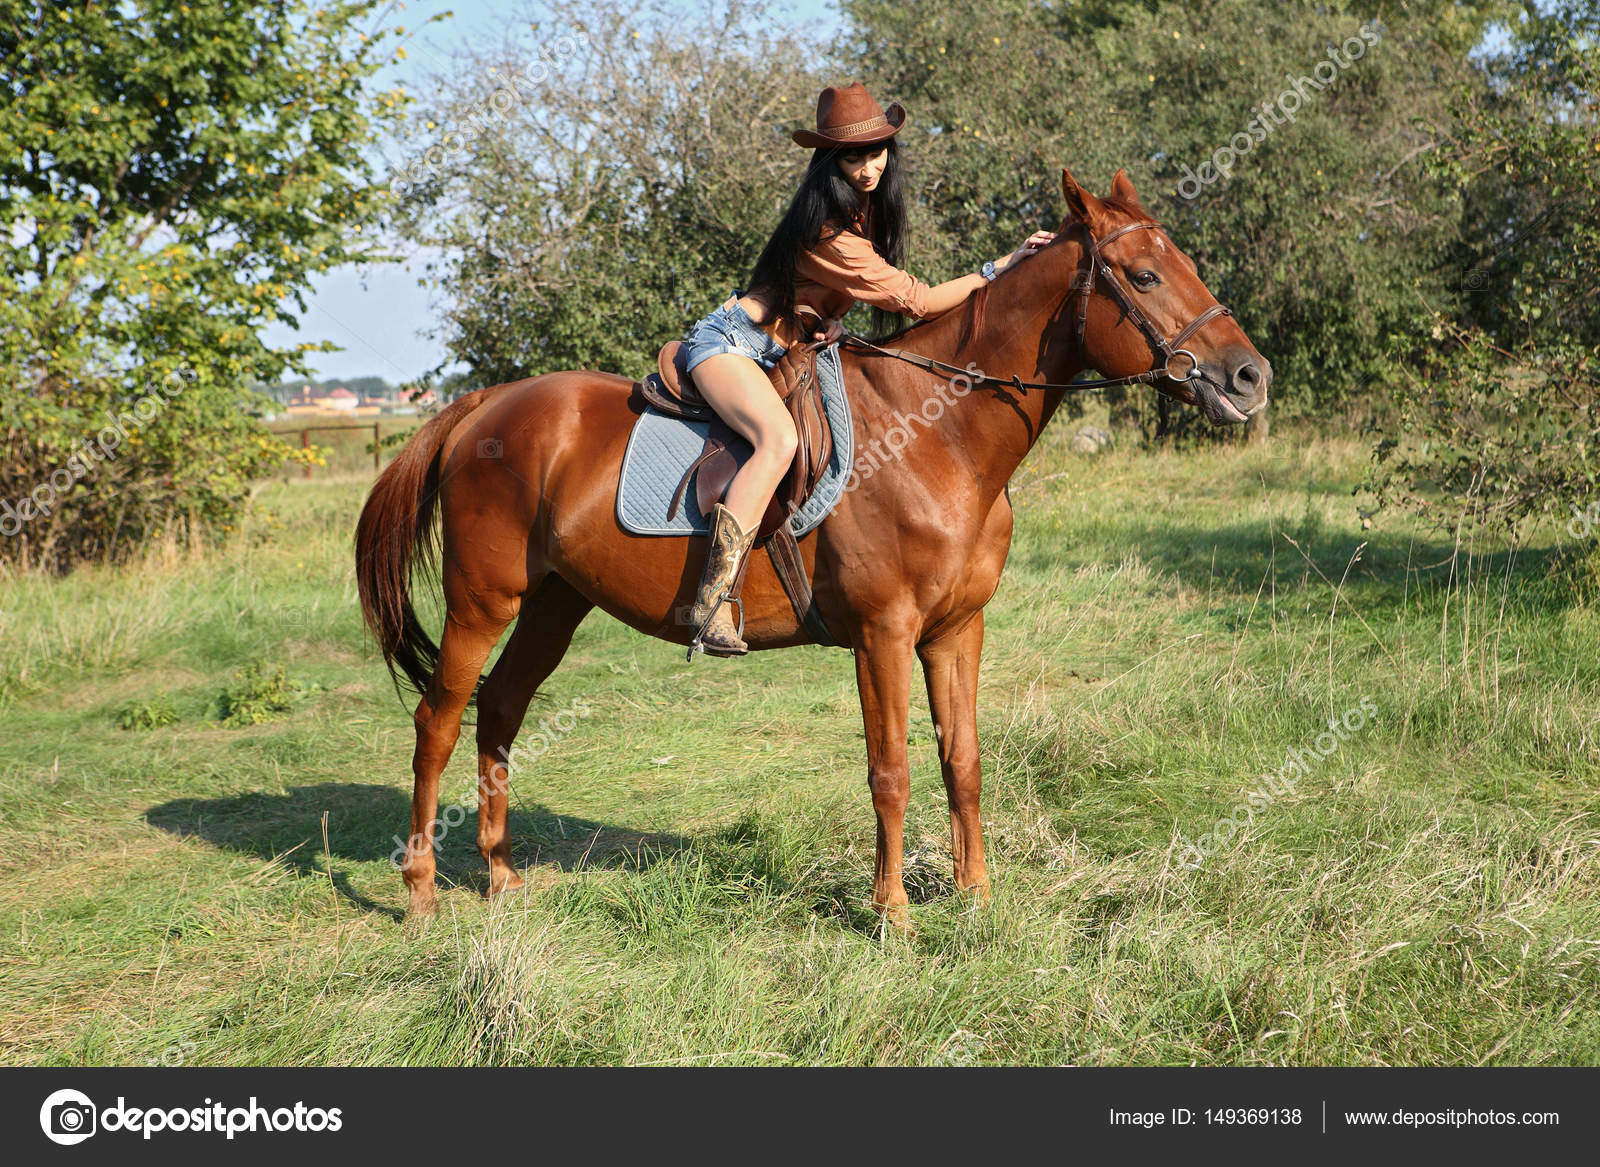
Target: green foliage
[[147, 714], [1483, 434], [1497, 405], [576, 238], [1526, 152], [1320, 228], [177, 173], [258, 696]]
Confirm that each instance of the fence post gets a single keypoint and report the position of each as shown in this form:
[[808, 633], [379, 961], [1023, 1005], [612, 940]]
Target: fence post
[[377, 448], [305, 444]]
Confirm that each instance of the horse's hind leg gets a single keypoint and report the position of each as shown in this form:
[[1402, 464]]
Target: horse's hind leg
[[470, 633], [550, 615]]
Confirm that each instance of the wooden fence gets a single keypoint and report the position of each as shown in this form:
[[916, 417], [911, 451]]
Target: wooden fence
[[307, 430]]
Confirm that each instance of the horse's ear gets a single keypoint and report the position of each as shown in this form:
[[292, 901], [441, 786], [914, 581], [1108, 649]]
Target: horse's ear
[[1081, 205], [1122, 188]]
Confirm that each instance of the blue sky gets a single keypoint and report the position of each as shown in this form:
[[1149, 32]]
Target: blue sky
[[379, 313]]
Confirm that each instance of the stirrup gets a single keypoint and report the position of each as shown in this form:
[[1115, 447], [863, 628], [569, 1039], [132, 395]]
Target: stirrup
[[698, 643]]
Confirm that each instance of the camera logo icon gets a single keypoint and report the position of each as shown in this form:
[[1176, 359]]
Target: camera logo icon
[[491, 448], [68, 1117]]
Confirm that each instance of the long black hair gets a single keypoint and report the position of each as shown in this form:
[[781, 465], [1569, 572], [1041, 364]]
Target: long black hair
[[824, 201]]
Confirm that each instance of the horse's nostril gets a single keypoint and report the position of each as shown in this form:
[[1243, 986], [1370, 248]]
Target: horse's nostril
[[1248, 374]]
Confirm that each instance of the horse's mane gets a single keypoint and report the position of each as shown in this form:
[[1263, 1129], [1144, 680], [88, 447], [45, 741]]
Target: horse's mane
[[971, 309], [1133, 210]]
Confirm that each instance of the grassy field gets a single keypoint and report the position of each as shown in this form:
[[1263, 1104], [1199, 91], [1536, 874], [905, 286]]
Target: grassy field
[[195, 859]]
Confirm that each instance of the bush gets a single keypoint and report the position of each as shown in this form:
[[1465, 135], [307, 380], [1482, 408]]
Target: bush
[[259, 697], [151, 714], [1490, 437]]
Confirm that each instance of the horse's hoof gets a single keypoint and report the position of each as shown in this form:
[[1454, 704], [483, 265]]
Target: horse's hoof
[[896, 920], [498, 887], [422, 911]]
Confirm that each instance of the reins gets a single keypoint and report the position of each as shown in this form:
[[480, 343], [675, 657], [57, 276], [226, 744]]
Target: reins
[[1167, 350], [977, 377]]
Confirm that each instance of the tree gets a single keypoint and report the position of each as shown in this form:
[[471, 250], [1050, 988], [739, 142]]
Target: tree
[[1497, 403], [176, 174], [602, 181], [591, 211], [1324, 220]]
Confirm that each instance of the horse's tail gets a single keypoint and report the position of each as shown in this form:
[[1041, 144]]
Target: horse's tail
[[395, 532]]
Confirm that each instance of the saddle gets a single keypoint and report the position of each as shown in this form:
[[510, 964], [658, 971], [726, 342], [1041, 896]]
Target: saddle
[[671, 389]]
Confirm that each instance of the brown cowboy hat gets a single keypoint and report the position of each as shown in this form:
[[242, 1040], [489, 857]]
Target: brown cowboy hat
[[849, 117]]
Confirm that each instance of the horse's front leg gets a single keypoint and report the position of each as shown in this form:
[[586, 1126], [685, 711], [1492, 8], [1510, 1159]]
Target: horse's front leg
[[883, 676], [950, 665]]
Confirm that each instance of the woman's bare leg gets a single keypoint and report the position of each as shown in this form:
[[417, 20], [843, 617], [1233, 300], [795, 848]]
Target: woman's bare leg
[[738, 389]]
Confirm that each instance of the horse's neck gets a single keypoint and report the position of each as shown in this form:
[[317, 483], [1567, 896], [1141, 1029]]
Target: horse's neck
[[1017, 334]]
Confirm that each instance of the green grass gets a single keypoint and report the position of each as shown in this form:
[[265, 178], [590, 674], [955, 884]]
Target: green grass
[[699, 848]]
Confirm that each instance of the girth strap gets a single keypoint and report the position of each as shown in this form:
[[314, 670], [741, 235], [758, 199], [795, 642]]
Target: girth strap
[[791, 569]]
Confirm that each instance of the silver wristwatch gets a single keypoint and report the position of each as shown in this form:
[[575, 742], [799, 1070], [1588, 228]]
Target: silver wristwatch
[[987, 270]]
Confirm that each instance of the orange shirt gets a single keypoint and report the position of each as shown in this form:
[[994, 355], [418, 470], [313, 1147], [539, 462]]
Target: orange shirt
[[843, 269]]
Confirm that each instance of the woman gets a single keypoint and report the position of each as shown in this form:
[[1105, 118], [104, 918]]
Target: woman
[[839, 243]]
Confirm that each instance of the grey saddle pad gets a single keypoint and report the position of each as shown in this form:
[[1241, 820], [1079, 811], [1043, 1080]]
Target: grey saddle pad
[[661, 448]]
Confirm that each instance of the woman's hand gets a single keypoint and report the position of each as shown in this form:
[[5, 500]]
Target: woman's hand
[[832, 330], [1030, 245]]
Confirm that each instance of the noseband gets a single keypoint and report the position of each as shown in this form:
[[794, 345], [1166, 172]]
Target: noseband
[[1168, 350]]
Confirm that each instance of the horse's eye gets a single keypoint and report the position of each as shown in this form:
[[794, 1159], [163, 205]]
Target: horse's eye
[[1145, 279]]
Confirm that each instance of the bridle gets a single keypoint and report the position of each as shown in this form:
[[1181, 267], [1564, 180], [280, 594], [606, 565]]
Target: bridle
[[1168, 349], [1083, 289]]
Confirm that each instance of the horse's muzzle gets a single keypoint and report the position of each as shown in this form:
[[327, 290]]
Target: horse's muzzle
[[1243, 392]]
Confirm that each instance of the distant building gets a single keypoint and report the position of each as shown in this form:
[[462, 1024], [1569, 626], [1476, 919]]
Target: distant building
[[302, 401], [310, 400], [342, 401]]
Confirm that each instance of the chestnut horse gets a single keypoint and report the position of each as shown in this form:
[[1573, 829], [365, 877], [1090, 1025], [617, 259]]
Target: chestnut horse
[[524, 479]]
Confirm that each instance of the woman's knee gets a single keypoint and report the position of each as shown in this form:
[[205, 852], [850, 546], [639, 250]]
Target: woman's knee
[[779, 441]]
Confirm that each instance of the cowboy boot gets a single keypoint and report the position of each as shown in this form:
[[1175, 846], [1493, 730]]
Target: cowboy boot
[[715, 633]]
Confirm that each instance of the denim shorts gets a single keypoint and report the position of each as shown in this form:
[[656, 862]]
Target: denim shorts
[[730, 330]]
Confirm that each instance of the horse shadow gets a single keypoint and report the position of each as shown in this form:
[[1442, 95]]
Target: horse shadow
[[368, 823]]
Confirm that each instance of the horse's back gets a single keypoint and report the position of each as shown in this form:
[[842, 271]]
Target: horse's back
[[575, 390], [565, 407]]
